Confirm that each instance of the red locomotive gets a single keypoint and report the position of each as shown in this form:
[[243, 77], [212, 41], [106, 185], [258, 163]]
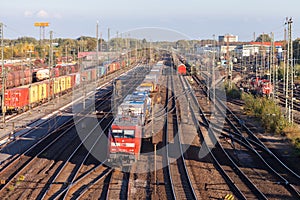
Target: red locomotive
[[127, 129], [181, 69]]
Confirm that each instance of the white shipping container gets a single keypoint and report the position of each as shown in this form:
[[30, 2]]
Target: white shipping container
[[77, 79]]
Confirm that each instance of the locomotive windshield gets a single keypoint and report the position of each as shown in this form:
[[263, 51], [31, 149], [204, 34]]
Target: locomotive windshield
[[123, 133]]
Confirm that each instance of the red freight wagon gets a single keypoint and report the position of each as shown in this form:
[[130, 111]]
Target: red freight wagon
[[123, 64], [55, 72], [27, 77], [73, 80], [117, 66], [74, 69], [16, 99], [10, 81], [17, 78], [94, 74]]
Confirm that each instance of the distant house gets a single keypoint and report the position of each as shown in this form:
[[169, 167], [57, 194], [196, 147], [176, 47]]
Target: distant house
[[228, 38]]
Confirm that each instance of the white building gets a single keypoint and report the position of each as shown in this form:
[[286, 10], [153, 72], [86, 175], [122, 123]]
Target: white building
[[228, 38], [207, 48]]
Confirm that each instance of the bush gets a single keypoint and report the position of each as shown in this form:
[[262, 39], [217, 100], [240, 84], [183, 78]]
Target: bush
[[271, 118], [233, 93], [293, 134], [266, 111]]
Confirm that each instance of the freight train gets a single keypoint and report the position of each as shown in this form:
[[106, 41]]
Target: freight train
[[21, 98], [127, 130], [16, 76]]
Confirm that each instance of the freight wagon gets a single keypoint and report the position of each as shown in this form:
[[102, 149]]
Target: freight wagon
[[21, 98]]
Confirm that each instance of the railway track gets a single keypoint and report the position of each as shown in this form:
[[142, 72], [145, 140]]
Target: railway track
[[280, 175], [119, 184], [237, 181], [55, 149], [178, 184], [67, 165], [241, 131]]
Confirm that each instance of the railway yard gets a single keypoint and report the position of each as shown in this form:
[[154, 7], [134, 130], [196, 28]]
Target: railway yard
[[148, 130]]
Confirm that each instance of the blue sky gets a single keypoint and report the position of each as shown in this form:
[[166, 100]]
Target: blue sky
[[195, 19]]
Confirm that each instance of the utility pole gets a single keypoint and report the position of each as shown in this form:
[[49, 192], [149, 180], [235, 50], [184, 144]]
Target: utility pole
[[3, 76], [213, 75], [275, 68], [272, 65], [284, 61], [51, 91], [229, 64], [97, 46], [289, 74]]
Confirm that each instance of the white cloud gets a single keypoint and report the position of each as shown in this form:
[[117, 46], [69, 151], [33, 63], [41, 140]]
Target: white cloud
[[42, 14], [28, 13]]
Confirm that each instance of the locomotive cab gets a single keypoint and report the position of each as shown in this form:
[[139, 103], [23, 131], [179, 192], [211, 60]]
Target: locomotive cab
[[124, 144]]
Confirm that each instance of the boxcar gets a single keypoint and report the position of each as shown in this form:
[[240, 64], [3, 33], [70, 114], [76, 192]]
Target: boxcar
[[16, 99]]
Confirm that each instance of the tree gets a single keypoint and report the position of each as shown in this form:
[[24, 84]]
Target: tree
[[263, 38]]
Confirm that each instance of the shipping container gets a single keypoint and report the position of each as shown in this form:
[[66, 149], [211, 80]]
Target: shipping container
[[73, 80], [55, 72], [42, 74], [62, 83], [89, 75], [68, 79], [33, 94], [78, 79], [100, 71], [56, 86], [16, 99], [94, 74], [43, 91], [84, 76]]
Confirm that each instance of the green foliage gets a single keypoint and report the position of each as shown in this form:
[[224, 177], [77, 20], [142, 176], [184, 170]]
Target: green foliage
[[293, 134], [233, 93], [266, 111], [263, 38]]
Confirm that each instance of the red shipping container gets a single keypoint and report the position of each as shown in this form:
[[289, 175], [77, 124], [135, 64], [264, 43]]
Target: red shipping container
[[73, 80], [84, 76], [94, 74], [117, 66], [123, 64], [16, 98]]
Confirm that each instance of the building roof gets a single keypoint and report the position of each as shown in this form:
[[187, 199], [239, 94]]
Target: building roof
[[266, 43]]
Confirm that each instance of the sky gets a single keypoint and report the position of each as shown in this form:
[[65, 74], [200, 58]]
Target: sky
[[153, 20]]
